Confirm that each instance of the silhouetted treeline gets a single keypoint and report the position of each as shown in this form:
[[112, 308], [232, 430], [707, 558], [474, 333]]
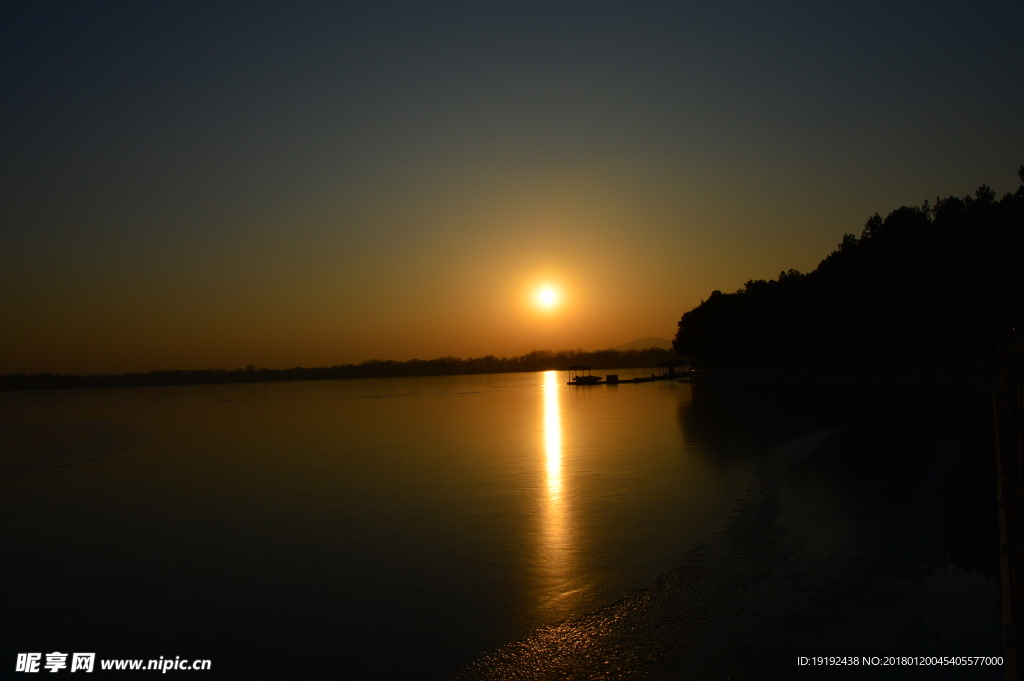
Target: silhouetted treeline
[[940, 284], [538, 360]]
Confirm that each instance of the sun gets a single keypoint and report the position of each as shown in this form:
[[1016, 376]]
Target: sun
[[547, 297]]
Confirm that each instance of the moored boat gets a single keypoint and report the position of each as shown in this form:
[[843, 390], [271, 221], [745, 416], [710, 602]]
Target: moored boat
[[580, 375]]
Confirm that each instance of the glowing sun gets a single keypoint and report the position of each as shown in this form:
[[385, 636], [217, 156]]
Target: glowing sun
[[547, 297]]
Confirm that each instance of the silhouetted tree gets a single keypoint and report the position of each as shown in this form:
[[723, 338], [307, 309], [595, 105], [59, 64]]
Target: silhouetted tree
[[925, 284]]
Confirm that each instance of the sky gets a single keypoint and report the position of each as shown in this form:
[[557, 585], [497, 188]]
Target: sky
[[212, 185]]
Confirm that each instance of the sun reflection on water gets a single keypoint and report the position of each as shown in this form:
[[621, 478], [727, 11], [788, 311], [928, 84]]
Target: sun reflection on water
[[555, 546]]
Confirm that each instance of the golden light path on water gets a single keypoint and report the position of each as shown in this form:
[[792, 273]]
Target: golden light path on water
[[555, 549]]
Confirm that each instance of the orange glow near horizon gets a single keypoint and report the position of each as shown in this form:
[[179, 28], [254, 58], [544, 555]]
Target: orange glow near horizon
[[345, 189]]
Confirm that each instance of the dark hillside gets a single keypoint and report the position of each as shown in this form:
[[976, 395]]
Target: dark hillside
[[926, 285]]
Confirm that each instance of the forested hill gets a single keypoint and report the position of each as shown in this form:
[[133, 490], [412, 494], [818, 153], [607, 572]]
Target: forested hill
[[928, 284]]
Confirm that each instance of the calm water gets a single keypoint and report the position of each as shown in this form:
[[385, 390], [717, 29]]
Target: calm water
[[401, 527], [398, 523]]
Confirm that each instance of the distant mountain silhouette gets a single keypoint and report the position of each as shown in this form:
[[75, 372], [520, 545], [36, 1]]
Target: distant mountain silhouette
[[936, 285], [644, 343]]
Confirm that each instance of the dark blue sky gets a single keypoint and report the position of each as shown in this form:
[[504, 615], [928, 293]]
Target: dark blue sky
[[186, 185]]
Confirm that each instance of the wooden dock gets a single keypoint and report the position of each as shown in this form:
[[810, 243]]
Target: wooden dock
[[673, 370]]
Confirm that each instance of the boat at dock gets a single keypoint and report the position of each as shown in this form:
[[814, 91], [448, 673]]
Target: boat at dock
[[580, 375], [672, 370]]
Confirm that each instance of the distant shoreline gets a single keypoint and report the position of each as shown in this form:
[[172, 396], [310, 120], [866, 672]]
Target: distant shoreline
[[538, 360]]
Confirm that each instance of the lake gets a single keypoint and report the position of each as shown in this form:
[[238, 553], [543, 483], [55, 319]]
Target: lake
[[407, 527]]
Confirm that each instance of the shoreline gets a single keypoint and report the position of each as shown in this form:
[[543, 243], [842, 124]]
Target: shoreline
[[539, 360], [652, 632], [782, 580], [976, 380]]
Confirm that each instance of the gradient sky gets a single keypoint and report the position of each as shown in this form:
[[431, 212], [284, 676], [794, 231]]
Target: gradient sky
[[199, 185]]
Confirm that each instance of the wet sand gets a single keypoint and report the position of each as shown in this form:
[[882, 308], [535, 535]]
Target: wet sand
[[811, 563]]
